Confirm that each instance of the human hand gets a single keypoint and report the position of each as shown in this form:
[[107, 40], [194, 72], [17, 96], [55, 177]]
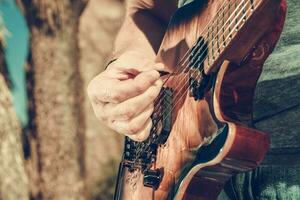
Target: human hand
[[123, 95]]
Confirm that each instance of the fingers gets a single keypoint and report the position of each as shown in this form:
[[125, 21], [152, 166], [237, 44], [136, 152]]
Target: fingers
[[134, 106], [133, 87], [131, 117], [122, 96], [115, 91], [143, 134], [134, 126]]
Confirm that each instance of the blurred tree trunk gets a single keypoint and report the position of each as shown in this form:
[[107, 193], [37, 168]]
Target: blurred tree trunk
[[56, 161], [13, 180], [99, 25]]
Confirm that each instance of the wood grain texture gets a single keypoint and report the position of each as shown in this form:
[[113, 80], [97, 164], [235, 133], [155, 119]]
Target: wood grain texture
[[194, 122]]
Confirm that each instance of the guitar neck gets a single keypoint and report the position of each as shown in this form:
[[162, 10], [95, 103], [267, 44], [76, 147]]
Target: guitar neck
[[223, 29]]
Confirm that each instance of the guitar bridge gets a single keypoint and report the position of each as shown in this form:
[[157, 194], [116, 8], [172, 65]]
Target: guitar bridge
[[141, 155]]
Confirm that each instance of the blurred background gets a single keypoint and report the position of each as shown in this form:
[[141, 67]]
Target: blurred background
[[51, 145]]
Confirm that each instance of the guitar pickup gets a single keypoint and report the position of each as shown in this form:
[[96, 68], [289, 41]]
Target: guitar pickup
[[164, 118]]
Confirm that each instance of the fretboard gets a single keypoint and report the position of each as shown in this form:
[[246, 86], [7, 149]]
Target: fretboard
[[229, 19]]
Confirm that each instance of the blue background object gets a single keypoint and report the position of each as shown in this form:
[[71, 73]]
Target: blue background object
[[16, 53]]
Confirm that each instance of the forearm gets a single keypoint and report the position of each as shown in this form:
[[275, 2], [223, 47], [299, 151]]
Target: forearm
[[143, 28]]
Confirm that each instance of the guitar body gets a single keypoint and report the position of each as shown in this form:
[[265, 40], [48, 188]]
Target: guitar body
[[211, 138]]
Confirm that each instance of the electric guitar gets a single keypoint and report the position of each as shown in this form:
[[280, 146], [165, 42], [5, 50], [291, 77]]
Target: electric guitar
[[202, 133]]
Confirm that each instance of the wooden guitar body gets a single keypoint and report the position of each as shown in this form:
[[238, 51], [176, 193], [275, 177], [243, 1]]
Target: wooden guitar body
[[211, 138]]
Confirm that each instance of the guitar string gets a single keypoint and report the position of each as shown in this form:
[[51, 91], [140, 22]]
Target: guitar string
[[215, 37], [201, 50], [195, 47], [204, 59], [202, 62], [226, 39], [146, 149], [185, 59], [241, 20], [236, 15]]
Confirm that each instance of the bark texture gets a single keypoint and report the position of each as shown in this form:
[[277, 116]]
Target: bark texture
[[56, 160], [13, 180], [99, 25]]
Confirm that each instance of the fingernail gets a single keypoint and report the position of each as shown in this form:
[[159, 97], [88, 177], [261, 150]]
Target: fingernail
[[163, 73]]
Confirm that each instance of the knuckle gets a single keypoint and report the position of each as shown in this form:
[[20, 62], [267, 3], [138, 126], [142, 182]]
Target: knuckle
[[139, 88], [127, 113], [133, 128], [94, 92], [148, 82], [110, 95], [115, 97], [124, 117], [98, 91]]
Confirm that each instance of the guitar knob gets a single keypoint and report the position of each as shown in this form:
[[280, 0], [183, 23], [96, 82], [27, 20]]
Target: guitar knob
[[152, 178]]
